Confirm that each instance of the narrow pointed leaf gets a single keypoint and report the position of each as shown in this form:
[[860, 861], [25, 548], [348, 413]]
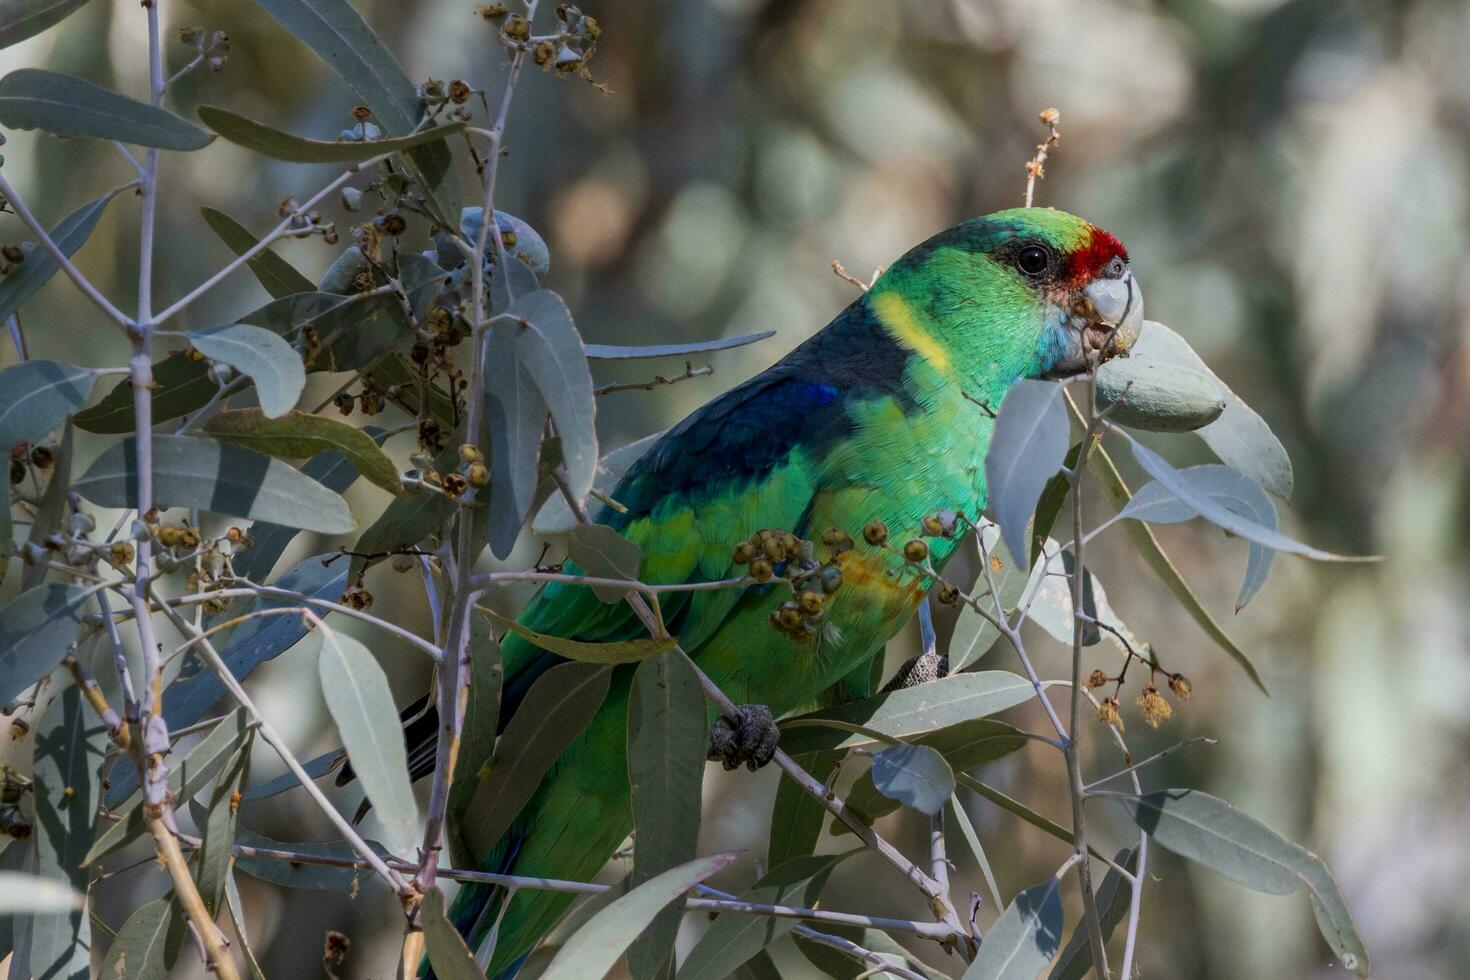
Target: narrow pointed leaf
[[361, 703], [219, 829], [908, 712], [264, 355], [914, 775], [1212, 511], [558, 707], [36, 629], [448, 954], [310, 876], [1024, 938], [1112, 905], [556, 517], [297, 435], [614, 352], [1240, 437], [278, 276], [20, 19], [594, 949], [481, 720], [515, 419], [973, 633], [38, 267], [64, 105], [547, 343], [604, 553], [735, 936], [237, 920], [148, 943], [796, 818], [1027, 447], [221, 479], [279, 145], [37, 396], [667, 735], [613, 652]]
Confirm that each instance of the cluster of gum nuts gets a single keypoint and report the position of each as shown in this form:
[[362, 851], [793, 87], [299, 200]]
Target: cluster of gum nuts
[[812, 581]]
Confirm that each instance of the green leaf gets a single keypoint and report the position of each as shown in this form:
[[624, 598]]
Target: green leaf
[[339, 36], [914, 775], [560, 704], [481, 718], [667, 735], [973, 634], [278, 276], [556, 517], [907, 712], [35, 895], [964, 746], [1212, 511], [736, 936], [515, 419], [148, 943], [615, 652], [547, 343], [1207, 830], [180, 385], [796, 818], [37, 396], [842, 966], [594, 949], [1157, 396], [448, 954], [361, 703], [237, 920], [36, 629], [957, 815], [1017, 808], [69, 741], [404, 523], [20, 19], [221, 479], [31, 98], [602, 552], [1240, 437], [271, 363], [1027, 447], [1100, 465], [185, 780], [278, 145], [611, 352], [310, 876], [1231, 490], [213, 869], [297, 435], [1024, 938], [33, 273], [1112, 905]]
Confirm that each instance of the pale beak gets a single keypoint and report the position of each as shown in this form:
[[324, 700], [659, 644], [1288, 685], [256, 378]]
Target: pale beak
[[1119, 306]]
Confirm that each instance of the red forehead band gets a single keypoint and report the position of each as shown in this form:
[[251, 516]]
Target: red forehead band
[[1089, 260]]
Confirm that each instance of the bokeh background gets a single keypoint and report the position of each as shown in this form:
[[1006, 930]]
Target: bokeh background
[[1290, 178]]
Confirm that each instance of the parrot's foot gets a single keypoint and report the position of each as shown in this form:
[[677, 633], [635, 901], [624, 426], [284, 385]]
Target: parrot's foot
[[926, 667], [751, 737]]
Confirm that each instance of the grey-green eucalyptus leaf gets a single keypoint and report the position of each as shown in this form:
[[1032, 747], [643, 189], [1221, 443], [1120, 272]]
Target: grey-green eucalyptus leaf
[[37, 396], [69, 235], [213, 870], [1157, 396], [361, 703], [914, 775], [1027, 447], [614, 352], [1024, 938], [264, 355], [556, 517], [1112, 905], [35, 895], [218, 478], [547, 343], [595, 948], [299, 435], [602, 552], [667, 735], [20, 19], [448, 954], [278, 276], [36, 629], [64, 105], [149, 942], [280, 145]]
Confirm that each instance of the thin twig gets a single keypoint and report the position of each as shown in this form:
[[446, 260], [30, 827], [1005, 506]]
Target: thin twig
[[690, 373], [1036, 166]]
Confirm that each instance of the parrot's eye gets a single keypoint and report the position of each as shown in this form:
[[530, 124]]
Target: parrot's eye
[[1033, 260], [1116, 268]]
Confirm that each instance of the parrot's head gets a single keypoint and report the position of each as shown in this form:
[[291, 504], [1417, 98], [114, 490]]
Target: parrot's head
[[1030, 292]]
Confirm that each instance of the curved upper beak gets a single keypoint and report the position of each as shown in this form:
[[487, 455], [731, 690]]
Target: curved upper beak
[[1119, 306]]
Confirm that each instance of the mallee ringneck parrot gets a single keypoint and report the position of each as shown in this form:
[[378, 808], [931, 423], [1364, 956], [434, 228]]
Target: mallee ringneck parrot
[[885, 413]]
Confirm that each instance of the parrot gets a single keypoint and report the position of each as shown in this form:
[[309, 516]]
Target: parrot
[[884, 415]]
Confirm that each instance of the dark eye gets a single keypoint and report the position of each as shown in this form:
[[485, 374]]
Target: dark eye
[[1032, 260]]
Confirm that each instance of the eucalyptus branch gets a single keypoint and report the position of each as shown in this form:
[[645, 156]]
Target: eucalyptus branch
[[272, 738], [43, 237], [690, 373]]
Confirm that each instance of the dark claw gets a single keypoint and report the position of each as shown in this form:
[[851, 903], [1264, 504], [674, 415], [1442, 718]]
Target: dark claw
[[918, 670], [750, 737]]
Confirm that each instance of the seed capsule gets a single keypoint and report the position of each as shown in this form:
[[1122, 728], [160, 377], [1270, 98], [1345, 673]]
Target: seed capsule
[[948, 595], [831, 579], [1097, 679], [790, 544], [915, 550], [774, 549], [810, 603], [875, 532], [761, 570], [744, 553], [478, 474]]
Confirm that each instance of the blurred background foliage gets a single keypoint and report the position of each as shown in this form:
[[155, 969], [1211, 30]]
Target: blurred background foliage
[[1290, 178]]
